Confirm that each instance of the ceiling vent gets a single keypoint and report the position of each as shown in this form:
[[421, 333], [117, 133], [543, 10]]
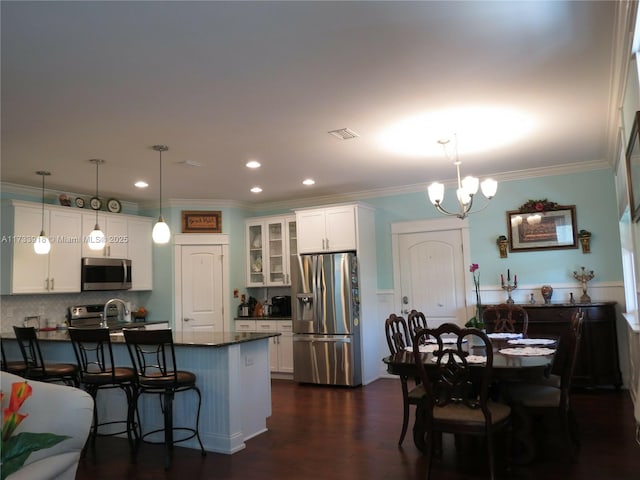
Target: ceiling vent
[[344, 133]]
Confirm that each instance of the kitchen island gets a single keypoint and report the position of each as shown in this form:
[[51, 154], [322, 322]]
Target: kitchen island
[[232, 372]]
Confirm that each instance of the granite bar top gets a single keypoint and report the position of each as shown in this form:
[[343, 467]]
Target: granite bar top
[[194, 339]]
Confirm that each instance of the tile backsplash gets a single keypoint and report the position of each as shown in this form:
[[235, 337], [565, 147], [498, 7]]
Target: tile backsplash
[[53, 307]]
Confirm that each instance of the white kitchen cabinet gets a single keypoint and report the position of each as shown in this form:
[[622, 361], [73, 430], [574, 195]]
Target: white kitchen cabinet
[[114, 226], [28, 272], [331, 229], [280, 348], [285, 347], [139, 251], [268, 245], [245, 325]]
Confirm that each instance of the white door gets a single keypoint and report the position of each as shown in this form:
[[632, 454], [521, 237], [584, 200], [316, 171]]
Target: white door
[[202, 303], [431, 267]]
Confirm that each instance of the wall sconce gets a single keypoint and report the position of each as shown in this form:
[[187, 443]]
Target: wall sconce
[[585, 240], [502, 246]]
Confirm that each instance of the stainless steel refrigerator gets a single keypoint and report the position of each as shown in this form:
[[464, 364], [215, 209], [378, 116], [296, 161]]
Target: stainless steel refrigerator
[[326, 323]]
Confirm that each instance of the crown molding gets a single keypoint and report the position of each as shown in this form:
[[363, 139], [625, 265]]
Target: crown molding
[[565, 169], [51, 195]]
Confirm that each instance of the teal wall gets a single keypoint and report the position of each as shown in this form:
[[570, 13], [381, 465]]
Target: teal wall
[[593, 194]]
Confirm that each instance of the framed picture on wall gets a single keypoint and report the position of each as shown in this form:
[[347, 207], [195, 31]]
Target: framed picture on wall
[[198, 221], [540, 230], [633, 169]]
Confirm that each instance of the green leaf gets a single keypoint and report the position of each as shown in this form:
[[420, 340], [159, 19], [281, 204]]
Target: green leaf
[[17, 449]]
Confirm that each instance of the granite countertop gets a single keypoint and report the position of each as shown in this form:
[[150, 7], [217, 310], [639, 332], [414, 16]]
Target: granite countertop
[[195, 339]]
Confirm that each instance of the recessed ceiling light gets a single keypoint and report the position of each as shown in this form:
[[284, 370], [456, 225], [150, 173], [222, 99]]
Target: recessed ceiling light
[[256, 190], [308, 181], [253, 164], [141, 184]]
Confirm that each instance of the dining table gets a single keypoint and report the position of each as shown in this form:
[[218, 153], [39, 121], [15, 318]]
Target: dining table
[[514, 359]]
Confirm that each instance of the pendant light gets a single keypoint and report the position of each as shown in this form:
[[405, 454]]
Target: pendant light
[[42, 245], [161, 232], [96, 239]]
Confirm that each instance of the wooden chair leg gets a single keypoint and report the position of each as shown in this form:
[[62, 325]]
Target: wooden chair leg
[[405, 412]]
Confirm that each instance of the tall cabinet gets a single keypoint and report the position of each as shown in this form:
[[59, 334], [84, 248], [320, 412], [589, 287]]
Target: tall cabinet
[[270, 241], [349, 227]]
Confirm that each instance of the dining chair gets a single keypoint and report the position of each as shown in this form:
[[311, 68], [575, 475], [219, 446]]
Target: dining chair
[[398, 339], [97, 369], [456, 396], [506, 318], [551, 399], [153, 357], [37, 368], [416, 321]]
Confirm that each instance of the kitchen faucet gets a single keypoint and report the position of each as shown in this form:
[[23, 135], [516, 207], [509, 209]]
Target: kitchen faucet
[[118, 302]]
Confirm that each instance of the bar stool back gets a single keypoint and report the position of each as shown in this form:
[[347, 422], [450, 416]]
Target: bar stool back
[[92, 347], [37, 369], [17, 367], [153, 357]]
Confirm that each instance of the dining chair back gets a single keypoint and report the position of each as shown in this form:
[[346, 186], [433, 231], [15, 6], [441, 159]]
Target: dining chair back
[[36, 367], [416, 321], [397, 333], [153, 357], [456, 393], [551, 398], [506, 318], [97, 371], [398, 339]]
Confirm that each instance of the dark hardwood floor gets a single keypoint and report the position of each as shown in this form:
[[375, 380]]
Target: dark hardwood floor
[[325, 432]]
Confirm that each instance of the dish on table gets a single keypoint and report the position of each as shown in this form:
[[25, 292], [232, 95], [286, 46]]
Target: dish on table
[[531, 341], [527, 351], [504, 335], [469, 358]]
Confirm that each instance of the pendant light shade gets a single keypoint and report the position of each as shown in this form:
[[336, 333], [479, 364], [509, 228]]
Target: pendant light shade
[[42, 246], [161, 232], [96, 239]]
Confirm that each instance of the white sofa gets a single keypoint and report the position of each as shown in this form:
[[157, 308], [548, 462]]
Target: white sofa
[[55, 409]]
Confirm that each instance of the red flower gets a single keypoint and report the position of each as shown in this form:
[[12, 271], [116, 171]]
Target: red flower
[[539, 207], [20, 391], [473, 267]]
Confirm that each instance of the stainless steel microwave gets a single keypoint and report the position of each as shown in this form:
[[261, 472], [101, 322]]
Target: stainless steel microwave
[[106, 274]]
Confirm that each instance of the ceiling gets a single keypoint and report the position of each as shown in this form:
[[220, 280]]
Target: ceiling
[[222, 83]]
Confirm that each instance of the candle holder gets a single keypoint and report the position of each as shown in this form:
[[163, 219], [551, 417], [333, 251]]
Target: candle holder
[[583, 277], [509, 288]]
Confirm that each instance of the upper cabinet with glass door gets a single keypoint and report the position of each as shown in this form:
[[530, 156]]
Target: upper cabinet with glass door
[[268, 247]]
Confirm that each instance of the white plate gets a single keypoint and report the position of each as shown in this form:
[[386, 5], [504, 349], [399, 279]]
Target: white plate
[[532, 341], [527, 351], [423, 348], [446, 340], [470, 359], [504, 335]]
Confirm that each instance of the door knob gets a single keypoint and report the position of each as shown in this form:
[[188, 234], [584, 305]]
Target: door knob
[[186, 319]]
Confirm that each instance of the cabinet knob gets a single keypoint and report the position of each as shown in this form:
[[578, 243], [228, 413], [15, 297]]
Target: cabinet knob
[[186, 319]]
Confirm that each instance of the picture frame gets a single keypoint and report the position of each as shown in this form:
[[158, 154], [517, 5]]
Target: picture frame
[[201, 221], [541, 230], [633, 169]]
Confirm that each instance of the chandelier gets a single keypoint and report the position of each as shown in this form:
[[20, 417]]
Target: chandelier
[[466, 190]]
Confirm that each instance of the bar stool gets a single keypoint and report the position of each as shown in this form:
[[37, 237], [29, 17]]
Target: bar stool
[[17, 367], [37, 369], [154, 360], [92, 347]]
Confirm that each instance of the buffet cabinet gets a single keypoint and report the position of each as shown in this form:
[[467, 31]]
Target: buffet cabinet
[[598, 362]]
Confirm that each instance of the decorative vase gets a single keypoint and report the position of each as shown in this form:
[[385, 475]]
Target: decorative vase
[[547, 292]]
